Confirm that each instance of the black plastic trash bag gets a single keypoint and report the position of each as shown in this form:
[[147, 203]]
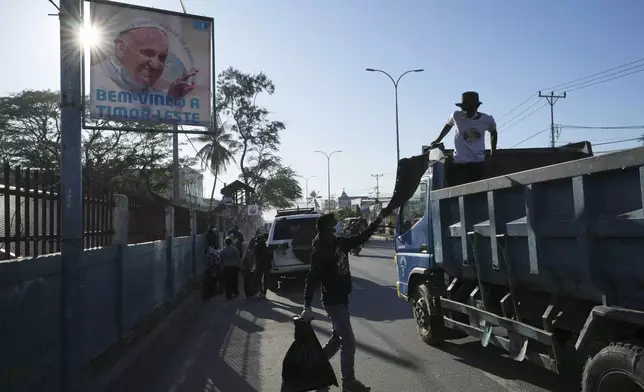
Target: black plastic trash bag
[[305, 366], [408, 176]]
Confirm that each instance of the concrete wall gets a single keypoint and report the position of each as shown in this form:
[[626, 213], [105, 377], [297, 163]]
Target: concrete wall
[[121, 285]]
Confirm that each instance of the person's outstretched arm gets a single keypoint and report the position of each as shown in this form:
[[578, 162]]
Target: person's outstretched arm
[[448, 127], [353, 241]]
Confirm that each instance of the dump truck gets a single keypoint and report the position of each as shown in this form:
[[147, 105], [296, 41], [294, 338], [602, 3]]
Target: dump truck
[[543, 258]]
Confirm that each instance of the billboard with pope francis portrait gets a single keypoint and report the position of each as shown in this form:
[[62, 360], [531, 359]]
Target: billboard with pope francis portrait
[[149, 65]]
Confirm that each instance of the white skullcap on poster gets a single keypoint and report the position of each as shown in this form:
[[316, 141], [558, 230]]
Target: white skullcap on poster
[[139, 23]]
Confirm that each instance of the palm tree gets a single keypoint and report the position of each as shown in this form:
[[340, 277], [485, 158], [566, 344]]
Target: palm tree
[[218, 151], [313, 198]]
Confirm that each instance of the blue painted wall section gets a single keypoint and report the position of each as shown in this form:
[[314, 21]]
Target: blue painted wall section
[[120, 286]]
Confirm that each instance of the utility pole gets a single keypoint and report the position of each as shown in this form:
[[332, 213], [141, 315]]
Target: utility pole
[[552, 99], [377, 177], [71, 106]]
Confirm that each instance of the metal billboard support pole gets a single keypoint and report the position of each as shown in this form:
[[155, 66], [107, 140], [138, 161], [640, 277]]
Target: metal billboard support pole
[[175, 166], [71, 196]]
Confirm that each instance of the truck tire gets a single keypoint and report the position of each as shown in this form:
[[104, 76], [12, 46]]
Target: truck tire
[[616, 367], [429, 322]]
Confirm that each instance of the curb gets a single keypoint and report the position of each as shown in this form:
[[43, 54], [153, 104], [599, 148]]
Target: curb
[[381, 238]]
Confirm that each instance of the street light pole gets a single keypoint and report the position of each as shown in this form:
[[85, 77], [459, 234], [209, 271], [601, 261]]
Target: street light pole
[[395, 82], [306, 196], [71, 108], [328, 173]]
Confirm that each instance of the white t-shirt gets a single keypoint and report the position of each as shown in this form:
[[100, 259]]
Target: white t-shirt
[[469, 138]]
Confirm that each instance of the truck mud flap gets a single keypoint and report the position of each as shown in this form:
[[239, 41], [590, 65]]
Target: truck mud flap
[[519, 334]]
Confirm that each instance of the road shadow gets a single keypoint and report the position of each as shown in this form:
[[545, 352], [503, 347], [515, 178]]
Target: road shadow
[[378, 244], [386, 356], [215, 347], [492, 360], [368, 300], [375, 302]]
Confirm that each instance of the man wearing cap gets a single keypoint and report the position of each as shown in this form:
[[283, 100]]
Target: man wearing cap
[[469, 139], [138, 61], [330, 268]]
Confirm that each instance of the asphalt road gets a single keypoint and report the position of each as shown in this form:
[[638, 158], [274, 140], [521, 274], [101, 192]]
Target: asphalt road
[[239, 346]]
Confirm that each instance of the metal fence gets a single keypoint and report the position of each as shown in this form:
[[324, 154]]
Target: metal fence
[[146, 219], [30, 214]]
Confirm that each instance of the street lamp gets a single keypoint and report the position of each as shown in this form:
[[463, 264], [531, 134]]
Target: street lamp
[[307, 190], [395, 82], [328, 173]]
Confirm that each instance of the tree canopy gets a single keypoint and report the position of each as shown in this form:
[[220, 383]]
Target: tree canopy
[[274, 184], [126, 162]]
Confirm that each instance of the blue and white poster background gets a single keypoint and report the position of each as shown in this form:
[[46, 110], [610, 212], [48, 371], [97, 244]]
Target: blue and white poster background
[[150, 66]]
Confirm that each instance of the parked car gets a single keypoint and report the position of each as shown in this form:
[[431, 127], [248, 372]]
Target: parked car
[[291, 240]]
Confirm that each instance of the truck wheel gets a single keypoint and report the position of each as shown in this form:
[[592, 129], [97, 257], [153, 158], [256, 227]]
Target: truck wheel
[[617, 367], [429, 322]]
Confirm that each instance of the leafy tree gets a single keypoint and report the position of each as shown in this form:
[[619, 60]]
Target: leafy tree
[[218, 151], [126, 162], [30, 126], [313, 198], [275, 185], [259, 137], [238, 95]]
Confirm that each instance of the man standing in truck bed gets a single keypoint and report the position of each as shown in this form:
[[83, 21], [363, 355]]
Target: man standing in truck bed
[[469, 140]]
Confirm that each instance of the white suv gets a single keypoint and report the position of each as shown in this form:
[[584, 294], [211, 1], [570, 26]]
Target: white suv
[[291, 240]]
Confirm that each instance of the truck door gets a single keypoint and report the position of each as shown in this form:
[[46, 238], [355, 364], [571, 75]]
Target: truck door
[[412, 233]]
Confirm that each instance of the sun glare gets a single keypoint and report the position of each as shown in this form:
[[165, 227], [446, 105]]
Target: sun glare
[[89, 36]]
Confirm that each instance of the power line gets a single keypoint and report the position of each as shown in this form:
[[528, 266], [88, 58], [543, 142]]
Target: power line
[[626, 127], [510, 120], [606, 80], [558, 86], [574, 85], [619, 141], [530, 137], [523, 118], [516, 107], [560, 142]]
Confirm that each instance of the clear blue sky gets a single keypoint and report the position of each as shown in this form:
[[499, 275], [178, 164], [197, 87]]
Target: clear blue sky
[[316, 53]]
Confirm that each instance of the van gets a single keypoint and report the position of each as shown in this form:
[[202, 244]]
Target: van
[[291, 240]]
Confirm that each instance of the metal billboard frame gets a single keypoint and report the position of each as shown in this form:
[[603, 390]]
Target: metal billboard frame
[[213, 120]]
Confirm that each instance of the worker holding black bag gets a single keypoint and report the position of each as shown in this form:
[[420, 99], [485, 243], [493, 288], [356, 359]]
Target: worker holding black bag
[[330, 268]]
